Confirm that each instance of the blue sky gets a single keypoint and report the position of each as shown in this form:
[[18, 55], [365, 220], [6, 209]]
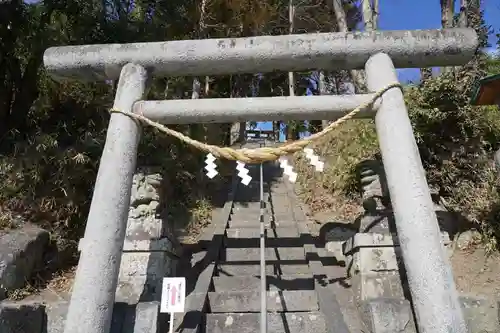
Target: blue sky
[[426, 14], [421, 14]]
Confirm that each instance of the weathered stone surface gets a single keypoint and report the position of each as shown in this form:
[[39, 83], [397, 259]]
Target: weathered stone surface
[[370, 252], [377, 259], [467, 238], [144, 222], [277, 301], [379, 222], [162, 244], [272, 254], [145, 188], [248, 233], [143, 263], [281, 208], [143, 318], [21, 317], [481, 314], [141, 274], [298, 322], [334, 240], [285, 282], [386, 315], [149, 251], [56, 317], [367, 286], [133, 290], [254, 270], [21, 251], [253, 222]]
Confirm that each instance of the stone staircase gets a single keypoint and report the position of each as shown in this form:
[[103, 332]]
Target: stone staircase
[[229, 299]]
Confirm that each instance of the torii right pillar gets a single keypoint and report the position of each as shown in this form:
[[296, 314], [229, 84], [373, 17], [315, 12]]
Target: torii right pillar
[[430, 279]]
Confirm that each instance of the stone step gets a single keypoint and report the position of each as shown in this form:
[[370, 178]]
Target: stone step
[[250, 196], [279, 188], [254, 209], [271, 254], [235, 223], [269, 214], [250, 237], [283, 217], [284, 282], [291, 322], [225, 269], [248, 233], [250, 301], [277, 200], [253, 205]]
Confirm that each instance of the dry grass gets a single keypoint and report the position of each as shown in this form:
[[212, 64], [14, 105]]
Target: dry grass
[[57, 283], [335, 189], [200, 217]]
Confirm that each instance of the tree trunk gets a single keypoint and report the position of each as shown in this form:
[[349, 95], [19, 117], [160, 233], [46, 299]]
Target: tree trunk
[[425, 74], [291, 82], [367, 15], [26, 91], [462, 19], [357, 76], [289, 133], [447, 12], [375, 12], [322, 91], [315, 126], [196, 89], [277, 129]]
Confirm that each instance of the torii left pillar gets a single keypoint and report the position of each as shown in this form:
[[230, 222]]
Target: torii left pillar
[[93, 296]]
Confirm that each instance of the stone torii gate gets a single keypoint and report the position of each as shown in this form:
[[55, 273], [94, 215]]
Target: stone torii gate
[[430, 278]]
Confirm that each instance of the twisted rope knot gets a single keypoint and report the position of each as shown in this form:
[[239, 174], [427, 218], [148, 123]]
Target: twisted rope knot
[[262, 154]]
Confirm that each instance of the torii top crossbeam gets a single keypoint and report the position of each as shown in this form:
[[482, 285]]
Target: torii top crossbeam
[[407, 49]]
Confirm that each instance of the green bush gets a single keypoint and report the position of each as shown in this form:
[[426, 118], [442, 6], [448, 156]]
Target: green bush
[[456, 143]]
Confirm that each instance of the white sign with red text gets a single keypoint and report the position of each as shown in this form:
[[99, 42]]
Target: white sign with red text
[[173, 295]]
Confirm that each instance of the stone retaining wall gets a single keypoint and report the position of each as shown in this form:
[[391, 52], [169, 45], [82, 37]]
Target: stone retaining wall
[[150, 250]]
